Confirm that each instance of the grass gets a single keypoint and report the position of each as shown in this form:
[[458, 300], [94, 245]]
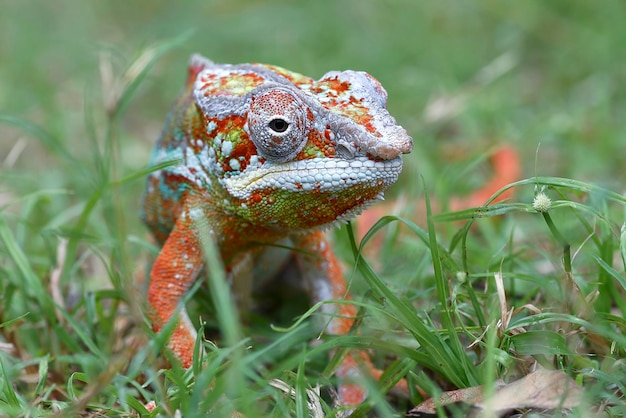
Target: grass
[[450, 300]]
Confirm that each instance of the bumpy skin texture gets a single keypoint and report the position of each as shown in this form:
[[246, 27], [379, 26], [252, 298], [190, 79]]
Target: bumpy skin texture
[[263, 156]]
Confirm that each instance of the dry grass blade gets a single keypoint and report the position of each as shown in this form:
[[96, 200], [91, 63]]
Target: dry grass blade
[[471, 396], [55, 280], [14, 153], [542, 389], [113, 89]]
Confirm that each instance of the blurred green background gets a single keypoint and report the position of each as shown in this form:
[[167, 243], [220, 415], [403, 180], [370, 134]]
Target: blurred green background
[[461, 76]]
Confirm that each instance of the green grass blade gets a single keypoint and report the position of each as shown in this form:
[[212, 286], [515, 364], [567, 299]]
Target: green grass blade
[[301, 391], [540, 342], [443, 359], [31, 283], [469, 373], [619, 278]]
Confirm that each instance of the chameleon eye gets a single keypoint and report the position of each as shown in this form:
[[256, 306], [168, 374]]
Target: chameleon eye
[[278, 125]]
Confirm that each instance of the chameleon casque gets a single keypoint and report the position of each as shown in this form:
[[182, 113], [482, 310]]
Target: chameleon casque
[[266, 156]]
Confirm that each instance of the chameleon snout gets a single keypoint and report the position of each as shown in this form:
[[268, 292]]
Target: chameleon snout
[[395, 142]]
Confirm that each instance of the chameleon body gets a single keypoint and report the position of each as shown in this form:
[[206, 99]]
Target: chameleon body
[[264, 156]]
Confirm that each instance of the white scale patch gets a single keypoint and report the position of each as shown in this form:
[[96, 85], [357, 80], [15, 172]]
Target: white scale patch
[[234, 164], [210, 127], [319, 173], [227, 148], [254, 161], [192, 166]]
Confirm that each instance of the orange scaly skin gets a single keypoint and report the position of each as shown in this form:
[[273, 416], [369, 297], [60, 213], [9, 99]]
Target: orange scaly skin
[[263, 156]]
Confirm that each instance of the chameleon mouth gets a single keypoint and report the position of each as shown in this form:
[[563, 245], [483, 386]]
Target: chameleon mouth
[[315, 175]]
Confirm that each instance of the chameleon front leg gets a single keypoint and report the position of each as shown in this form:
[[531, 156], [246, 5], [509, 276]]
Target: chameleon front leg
[[174, 271], [324, 280]]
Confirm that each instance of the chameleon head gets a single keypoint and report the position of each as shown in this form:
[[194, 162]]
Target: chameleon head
[[293, 153]]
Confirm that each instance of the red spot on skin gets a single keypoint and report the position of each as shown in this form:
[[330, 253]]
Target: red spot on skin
[[298, 185], [242, 151], [243, 148], [319, 142], [333, 87], [205, 87], [374, 158], [192, 73], [370, 128], [255, 197], [339, 86], [350, 106], [230, 122]]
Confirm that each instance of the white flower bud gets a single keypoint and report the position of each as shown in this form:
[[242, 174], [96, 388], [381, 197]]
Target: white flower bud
[[542, 202]]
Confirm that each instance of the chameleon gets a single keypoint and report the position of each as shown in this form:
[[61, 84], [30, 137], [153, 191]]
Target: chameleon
[[262, 156]]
